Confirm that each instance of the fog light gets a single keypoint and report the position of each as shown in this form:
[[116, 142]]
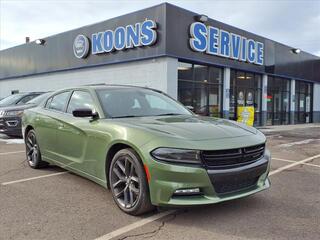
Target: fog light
[[187, 191]]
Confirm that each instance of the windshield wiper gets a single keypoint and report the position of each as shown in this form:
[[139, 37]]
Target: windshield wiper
[[126, 116], [168, 114], [132, 116]]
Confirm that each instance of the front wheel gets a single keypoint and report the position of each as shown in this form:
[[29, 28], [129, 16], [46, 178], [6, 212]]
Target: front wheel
[[33, 151], [128, 183]]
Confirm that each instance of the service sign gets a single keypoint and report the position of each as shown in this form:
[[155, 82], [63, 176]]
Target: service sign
[[214, 41], [130, 36]]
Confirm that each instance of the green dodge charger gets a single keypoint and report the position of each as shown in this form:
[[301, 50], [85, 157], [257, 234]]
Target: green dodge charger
[[148, 149]]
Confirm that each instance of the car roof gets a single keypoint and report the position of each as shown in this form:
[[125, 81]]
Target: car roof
[[117, 86], [24, 94], [99, 86]]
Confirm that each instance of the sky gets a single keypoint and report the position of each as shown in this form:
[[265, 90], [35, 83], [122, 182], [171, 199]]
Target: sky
[[295, 23]]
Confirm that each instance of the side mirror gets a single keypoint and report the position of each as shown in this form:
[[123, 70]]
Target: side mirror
[[84, 112]]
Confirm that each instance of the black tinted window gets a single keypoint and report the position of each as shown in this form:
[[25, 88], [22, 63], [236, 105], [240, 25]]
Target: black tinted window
[[26, 99], [37, 100], [80, 99], [59, 101], [10, 100]]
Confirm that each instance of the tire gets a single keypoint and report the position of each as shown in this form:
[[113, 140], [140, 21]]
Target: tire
[[128, 183], [33, 153]]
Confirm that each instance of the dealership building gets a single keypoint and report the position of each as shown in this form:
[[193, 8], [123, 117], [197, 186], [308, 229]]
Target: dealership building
[[215, 68]]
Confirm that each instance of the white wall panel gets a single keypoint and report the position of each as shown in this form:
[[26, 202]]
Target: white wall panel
[[159, 73]]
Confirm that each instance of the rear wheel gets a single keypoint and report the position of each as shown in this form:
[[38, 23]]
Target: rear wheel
[[128, 183], [33, 151]]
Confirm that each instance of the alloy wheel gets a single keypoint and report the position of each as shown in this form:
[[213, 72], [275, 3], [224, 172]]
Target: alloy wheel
[[32, 149], [125, 182]]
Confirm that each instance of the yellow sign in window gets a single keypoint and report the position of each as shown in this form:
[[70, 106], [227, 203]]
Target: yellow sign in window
[[246, 115]]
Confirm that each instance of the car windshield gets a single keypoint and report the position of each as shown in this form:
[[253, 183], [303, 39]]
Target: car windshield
[[10, 100], [39, 99], [134, 102]]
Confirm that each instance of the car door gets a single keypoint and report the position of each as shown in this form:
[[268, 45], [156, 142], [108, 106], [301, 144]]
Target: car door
[[72, 137], [48, 122]]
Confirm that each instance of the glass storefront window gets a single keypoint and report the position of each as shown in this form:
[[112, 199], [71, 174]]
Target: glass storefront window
[[185, 93], [303, 95], [245, 91], [199, 87], [278, 101], [185, 71]]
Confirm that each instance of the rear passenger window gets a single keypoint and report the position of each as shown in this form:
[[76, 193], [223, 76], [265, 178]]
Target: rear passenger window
[[58, 101], [80, 100]]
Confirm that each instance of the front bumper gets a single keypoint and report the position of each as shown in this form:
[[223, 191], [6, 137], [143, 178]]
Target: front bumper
[[215, 185], [11, 126]]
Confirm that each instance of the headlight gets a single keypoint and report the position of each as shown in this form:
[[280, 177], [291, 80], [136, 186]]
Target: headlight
[[16, 113], [2, 113], [177, 155]]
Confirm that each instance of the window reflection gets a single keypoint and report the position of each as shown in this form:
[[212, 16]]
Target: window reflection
[[199, 86], [278, 101], [303, 113], [245, 91]]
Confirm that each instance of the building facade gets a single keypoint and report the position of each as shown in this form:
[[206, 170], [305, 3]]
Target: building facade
[[217, 69]]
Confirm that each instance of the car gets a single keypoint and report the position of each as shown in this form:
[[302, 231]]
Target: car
[[10, 116], [18, 99], [147, 148]]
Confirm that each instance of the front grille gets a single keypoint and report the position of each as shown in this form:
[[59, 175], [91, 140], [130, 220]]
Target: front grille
[[234, 185], [1, 124], [230, 158]]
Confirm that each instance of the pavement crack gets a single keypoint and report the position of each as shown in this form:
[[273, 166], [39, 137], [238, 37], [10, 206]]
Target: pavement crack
[[154, 232]]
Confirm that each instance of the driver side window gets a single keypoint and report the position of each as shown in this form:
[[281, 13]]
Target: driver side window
[[80, 100]]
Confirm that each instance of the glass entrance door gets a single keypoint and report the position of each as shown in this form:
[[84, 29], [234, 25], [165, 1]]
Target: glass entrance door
[[302, 108], [245, 91], [245, 97], [278, 103], [278, 108], [303, 102]]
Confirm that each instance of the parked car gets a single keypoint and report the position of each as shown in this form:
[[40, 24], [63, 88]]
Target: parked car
[[10, 116], [18, 99], [148, 149]]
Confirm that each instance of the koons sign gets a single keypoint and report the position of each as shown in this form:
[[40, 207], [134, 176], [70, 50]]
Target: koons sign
[[219, 42], [130, 36]]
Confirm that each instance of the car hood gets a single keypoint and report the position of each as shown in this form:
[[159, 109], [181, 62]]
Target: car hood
[[192, 127]]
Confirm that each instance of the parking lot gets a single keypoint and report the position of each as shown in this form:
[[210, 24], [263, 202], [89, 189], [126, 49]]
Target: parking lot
[[54, 204]]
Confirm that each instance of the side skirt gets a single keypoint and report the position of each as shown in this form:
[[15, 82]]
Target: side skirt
[[78, 172]]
